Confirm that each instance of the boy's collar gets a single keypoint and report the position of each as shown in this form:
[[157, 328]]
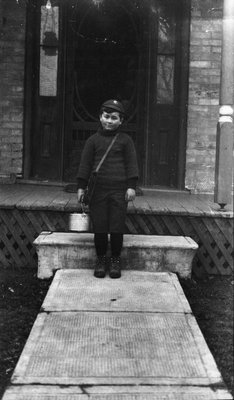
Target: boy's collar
[[105, 132]]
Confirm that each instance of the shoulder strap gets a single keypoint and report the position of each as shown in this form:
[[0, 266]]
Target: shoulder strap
[[106, 153]]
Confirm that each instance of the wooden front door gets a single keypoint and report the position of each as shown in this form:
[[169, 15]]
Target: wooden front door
[[124, 49], [102, 62]]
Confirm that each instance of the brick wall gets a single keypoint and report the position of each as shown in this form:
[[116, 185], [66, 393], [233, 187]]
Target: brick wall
[[12, 43], [204, 84]]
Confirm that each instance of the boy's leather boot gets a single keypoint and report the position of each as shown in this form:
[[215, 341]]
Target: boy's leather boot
[[115, 267], [100, 267]]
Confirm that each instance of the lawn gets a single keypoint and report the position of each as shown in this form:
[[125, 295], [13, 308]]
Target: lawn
[[21, 295], [211, 300]]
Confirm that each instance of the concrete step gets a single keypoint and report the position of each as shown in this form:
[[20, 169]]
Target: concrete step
[[69, 250], [134, 338]]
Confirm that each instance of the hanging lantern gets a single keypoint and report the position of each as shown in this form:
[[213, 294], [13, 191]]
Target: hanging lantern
[[50, 40], [48, 5], [97, 3]]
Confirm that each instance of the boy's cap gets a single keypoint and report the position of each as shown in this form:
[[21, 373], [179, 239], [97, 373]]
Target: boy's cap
[[114, 105]]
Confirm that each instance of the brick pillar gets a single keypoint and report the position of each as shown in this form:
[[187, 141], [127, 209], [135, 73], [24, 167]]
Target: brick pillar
[[224, 141]]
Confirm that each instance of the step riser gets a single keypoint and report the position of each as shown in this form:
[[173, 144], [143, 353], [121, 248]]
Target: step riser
[[82, 256], [178, 261]]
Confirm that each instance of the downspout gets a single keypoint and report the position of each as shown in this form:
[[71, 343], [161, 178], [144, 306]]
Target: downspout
[[224, 140]]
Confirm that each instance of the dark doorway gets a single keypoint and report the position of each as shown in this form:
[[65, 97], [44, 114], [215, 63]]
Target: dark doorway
[[130, 50], [103, 61]]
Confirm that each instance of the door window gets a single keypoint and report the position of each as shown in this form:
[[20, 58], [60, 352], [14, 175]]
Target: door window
[[165, 54], [49, 36]]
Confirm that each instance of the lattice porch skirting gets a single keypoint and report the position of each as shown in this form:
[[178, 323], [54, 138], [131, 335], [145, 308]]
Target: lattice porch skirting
[[214, 235]]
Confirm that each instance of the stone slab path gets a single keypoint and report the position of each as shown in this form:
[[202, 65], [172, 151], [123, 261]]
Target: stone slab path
[[134, 338]]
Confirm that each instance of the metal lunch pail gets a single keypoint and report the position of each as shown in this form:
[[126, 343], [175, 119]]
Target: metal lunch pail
[[79, 222]]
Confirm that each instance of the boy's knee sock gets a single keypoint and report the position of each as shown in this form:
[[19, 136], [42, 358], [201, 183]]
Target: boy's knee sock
[[116, 240], [101, 242]]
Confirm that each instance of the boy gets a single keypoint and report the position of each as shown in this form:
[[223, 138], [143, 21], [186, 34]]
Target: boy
[[115, 186]]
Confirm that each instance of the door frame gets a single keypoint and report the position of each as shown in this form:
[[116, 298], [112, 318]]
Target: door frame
[[29, 84], [184, 92], [31, 75]]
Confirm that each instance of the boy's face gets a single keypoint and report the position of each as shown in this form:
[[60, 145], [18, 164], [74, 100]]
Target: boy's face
[[110, 121]]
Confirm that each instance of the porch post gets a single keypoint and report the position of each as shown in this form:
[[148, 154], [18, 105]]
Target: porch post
[[224, 140]]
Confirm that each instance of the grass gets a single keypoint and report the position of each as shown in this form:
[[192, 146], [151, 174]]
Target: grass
[[21, 296], [211, 301]]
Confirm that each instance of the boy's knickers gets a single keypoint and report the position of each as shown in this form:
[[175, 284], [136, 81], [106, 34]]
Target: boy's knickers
[[108, 210]]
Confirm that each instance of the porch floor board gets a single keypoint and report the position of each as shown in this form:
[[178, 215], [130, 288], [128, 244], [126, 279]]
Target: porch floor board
[[39, 197], [28, 209]]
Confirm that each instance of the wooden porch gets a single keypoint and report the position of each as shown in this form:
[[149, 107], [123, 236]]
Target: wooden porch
[[28, 209]]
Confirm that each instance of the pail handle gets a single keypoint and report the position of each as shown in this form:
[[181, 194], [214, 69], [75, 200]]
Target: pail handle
[[83, 208]]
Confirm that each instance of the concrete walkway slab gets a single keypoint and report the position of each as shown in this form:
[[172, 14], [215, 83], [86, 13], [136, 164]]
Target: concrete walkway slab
[[45, 392], [135, 292], [145, 346], [98, 348]]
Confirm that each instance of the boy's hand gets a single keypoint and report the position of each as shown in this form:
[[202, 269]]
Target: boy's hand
[[130, 194], [80, 194]]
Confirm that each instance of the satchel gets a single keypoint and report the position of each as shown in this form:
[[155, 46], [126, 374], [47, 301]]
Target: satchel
[[89, 191]]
